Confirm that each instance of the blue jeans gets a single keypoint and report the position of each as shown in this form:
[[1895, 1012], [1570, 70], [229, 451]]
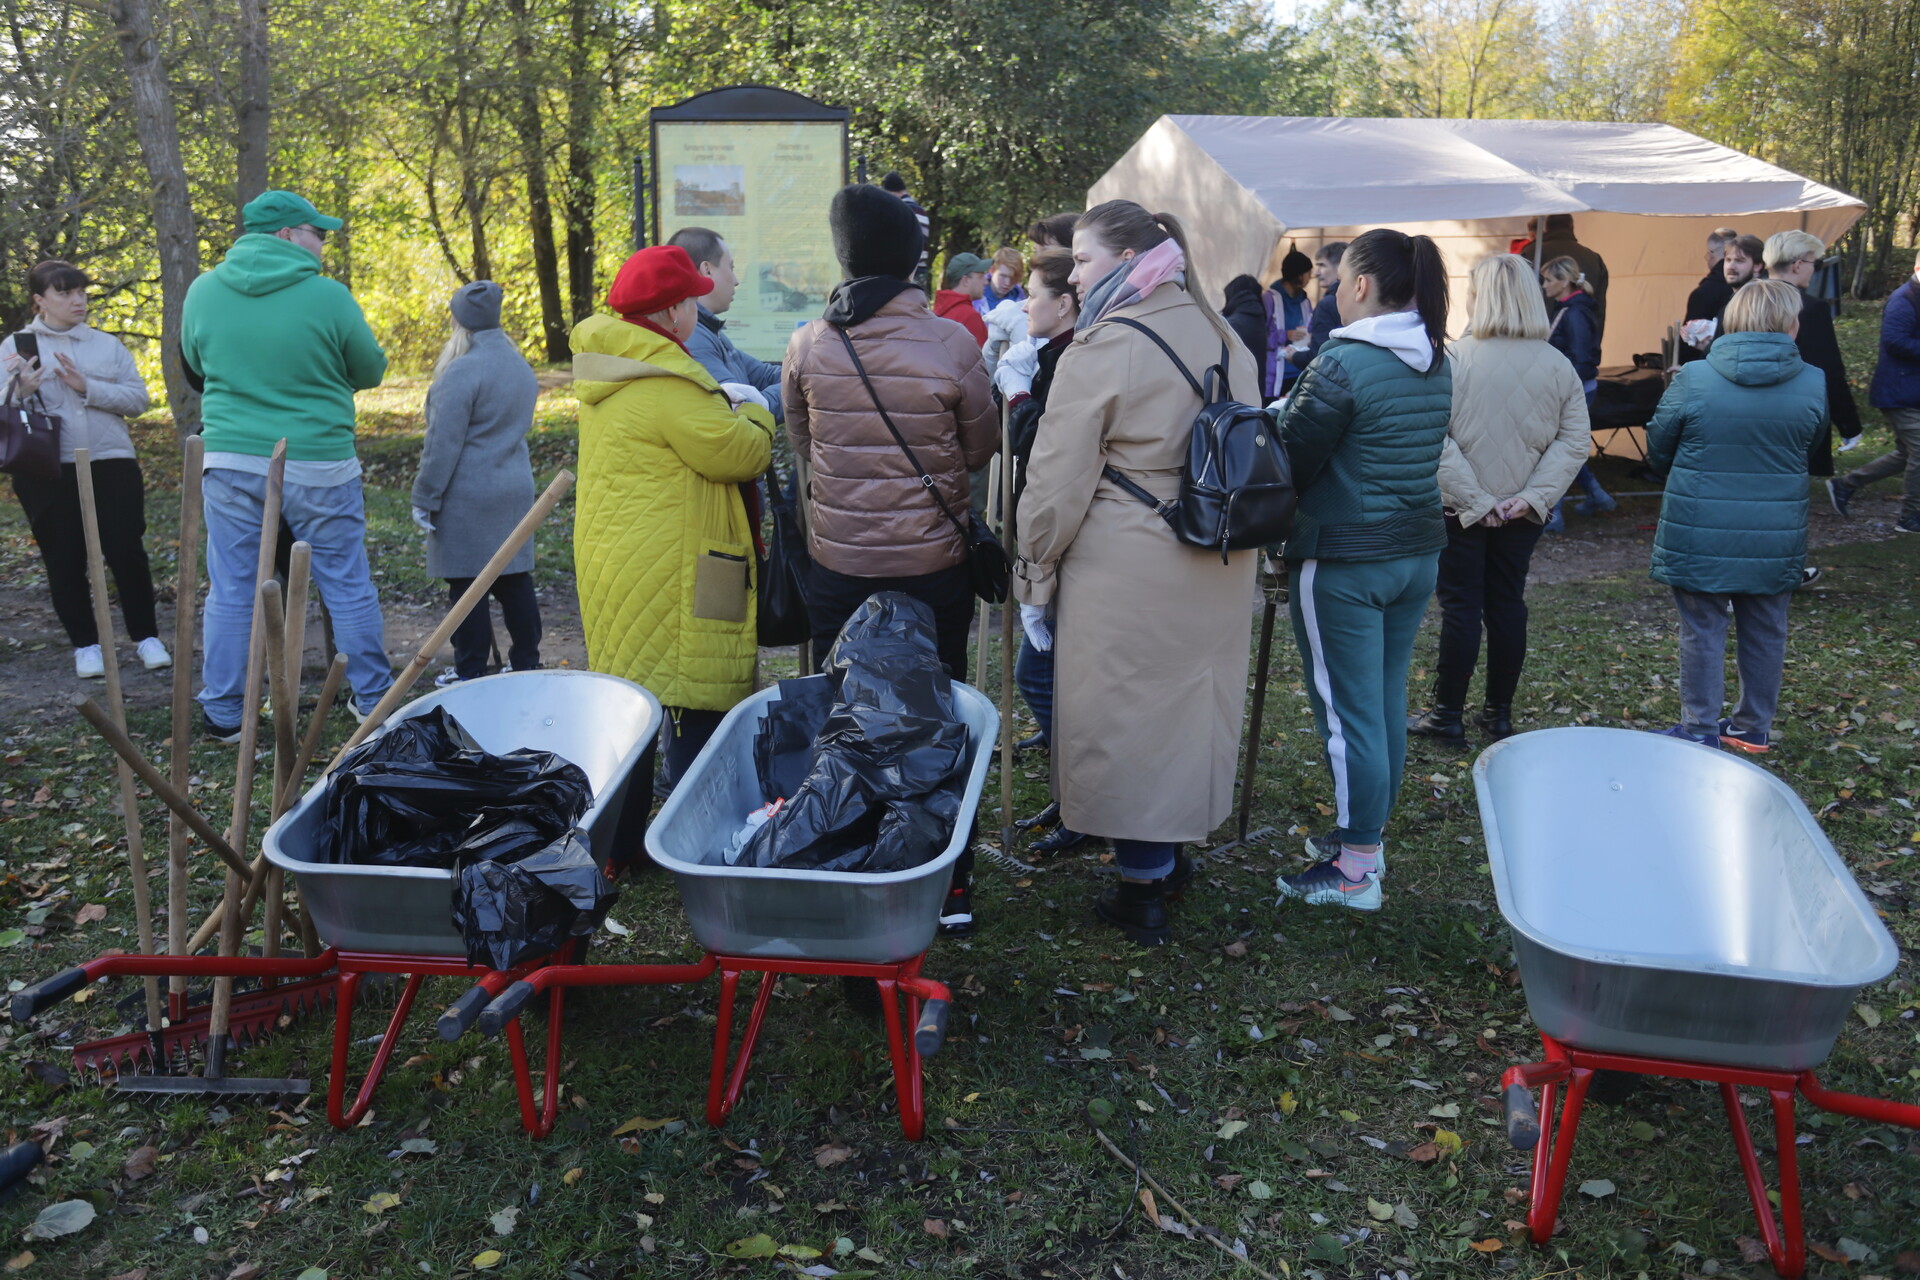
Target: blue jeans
[[330, 519], [1033, 676], [1144, 859]]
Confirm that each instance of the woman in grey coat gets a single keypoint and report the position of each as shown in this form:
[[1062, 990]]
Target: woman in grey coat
[[476, 481]]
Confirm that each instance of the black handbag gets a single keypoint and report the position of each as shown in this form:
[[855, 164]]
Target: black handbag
[[29, 438], [781, 615], [986, 558], [1236, 489]]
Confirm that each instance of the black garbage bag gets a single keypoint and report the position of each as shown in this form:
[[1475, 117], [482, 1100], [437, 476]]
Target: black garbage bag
[[884, 787], [416, 795], [512, 911], [783, 747]]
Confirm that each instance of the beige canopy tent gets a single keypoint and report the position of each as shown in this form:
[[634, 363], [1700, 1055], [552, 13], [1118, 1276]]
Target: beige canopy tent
[[1643, 196]]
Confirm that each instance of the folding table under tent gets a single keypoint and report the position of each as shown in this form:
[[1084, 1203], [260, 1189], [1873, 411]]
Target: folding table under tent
[[1643, 196]]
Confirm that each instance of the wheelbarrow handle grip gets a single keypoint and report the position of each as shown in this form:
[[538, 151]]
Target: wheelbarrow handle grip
[[505, 1008], [1523, 1116], [932, 1031], [460, 1015], [47, 993]]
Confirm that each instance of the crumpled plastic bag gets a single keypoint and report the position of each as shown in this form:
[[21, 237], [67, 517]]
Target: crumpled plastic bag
[[783, 745], [510, 912], [417, 795], [884, 787]]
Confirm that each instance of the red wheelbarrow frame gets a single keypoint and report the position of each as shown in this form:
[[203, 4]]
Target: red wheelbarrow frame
[[725, 1086], [343, 971], [1786, 1239]]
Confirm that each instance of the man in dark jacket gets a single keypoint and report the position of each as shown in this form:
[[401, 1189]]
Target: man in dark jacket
[[1560, 243], [710, 345], [1895, 391], [1712, 294], [1792, 256], [1326, 314]]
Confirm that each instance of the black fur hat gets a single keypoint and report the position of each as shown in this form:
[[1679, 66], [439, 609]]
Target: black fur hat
[[874, 233]]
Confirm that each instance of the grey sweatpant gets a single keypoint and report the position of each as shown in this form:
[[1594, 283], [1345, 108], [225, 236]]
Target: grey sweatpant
[[1903, 461], [1760, 625]]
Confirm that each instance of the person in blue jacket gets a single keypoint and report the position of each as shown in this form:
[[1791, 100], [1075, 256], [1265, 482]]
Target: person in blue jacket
[[1732, 434], [1575, 334], [709, 344], [1364, 430]]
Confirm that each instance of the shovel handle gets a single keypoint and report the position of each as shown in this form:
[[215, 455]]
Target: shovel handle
[[460, 1015], [932, 1031], [45, 994], [505, 1008], [1523, 1116]]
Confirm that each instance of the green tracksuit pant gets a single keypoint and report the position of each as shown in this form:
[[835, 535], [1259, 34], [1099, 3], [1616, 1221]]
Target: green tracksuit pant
[[1355, 621]]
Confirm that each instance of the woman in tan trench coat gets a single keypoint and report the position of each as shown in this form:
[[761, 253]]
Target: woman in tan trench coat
[[1151, 673]]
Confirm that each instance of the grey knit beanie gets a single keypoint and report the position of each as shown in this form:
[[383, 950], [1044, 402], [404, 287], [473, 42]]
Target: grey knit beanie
[[477, 306]]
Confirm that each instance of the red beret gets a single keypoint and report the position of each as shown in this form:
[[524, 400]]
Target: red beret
[[654, 279]]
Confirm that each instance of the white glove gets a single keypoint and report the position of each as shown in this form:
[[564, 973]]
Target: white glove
[[423, 518], [1698, 334], [1033, 621], [1015, 373], [740, 393], [1849, 442]]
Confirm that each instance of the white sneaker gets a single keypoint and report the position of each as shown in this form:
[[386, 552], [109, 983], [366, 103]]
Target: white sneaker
[[153, 654], [88, 663]]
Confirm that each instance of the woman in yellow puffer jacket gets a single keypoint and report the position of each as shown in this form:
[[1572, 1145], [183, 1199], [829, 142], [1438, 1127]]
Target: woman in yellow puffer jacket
[[663, 545]]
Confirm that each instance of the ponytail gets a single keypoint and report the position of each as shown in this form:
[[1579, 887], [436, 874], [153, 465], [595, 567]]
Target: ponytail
[[1122, 224], [1407, 271]]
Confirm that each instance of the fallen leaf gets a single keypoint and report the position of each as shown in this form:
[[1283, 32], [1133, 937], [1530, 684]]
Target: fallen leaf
[[1236, 948], [1259, 1190], [803, 1252], [61, 1219], [1751, 1250], [139, 1163], [12, 937], [1870, 1016], [1231, 1129], [571, 1176], [1445, 1111], [1425, 1153], [828, 1154], [1228, 1181], [1827, 1251], [640, 1124], [1288, 1104], [1377, 1211], [487, 1260], [1448, 1141], [1489, 1245], [1351, 1117], [311, 1273], [88, 914], [246, 1271], [760, 1246], [506, 1220], [1404, 1215], [1327, 1248], [935, 1227], [20, 1261], [654, 1197], [1598, 1188], [381, 1201], [419, 1147]]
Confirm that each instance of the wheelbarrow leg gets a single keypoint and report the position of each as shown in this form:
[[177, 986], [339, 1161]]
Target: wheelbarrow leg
[[906, 1061], [1786, 1242], [343, 1039], [725, 1087], [1552, 1153]]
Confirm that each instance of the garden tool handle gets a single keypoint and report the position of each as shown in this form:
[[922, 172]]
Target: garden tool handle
[[1522, 1113], [506, 1007], [462, 1013], [45, 994], [932, 1031]]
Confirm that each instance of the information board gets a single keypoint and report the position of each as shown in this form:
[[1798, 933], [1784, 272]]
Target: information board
[[764, 187]]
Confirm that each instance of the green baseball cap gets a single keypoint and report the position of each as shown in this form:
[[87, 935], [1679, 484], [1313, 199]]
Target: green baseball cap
[[962, 265], [272, 211]]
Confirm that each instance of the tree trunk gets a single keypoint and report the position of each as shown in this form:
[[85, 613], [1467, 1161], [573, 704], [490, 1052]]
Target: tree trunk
[[176, 237], [533, 151], [252, 114], [578, 198]]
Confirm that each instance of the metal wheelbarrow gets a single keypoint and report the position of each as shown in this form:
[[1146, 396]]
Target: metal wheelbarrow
[[1676, 912], [775, 921]]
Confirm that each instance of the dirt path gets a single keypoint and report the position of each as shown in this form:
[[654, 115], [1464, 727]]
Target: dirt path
[[36, 666]]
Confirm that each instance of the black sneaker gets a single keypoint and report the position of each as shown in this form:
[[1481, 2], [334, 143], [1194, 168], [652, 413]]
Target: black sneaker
[[1326, 848], [1175, 882], [229, 734], [1908, 524], [1045, 818], [1808, 576], [1058, 840], [1840, 494], [956, 913]]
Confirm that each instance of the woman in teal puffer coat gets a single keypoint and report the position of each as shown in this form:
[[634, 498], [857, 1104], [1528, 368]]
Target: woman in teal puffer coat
[[1732, 432], [1364, 430]]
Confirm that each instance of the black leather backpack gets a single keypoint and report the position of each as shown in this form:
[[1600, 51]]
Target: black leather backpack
[[1236, 489]]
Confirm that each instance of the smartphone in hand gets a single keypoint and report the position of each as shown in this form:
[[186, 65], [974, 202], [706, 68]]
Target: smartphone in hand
[[26, 344]]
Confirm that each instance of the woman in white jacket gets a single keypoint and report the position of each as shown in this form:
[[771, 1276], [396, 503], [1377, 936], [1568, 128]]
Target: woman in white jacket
[[87, 379], [1518, 436]]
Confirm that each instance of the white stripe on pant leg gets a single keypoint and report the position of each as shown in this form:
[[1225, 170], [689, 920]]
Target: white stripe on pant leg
[[1323, 684]]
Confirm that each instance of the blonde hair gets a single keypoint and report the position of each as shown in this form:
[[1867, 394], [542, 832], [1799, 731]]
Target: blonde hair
[[1790, 246], [1565, 269], [459, 342], [1505, 300], [1765, 306]]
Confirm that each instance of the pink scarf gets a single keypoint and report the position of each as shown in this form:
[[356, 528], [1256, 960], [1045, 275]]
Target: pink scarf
[[1133, 280]]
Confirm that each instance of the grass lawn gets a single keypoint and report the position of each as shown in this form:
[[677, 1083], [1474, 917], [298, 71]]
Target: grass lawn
[[1318, 1086]]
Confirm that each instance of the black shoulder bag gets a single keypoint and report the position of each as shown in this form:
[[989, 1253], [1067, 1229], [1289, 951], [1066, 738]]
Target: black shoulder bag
[[1236, 489], [986, 559], [29, 438]]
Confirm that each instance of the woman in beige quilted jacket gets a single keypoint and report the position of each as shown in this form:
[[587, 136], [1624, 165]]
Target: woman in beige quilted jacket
[[1519, 435]]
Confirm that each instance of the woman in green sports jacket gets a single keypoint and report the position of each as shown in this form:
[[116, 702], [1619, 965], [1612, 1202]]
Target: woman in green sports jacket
[[1364, 429]]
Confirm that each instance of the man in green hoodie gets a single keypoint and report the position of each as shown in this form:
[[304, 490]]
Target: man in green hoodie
[[278, 351]]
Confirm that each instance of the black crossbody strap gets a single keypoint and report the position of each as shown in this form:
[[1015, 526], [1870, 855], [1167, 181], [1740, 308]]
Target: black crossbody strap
[[1226, 390], [1162, 507], [926, 480]]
